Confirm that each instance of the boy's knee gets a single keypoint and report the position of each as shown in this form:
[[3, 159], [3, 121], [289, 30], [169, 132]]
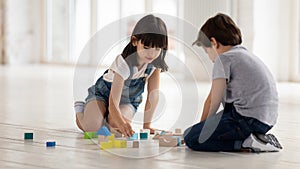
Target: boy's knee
[[187, 137]]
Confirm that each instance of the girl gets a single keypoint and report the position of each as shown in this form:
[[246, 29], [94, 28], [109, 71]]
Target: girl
[[118, 93], [251, 100]]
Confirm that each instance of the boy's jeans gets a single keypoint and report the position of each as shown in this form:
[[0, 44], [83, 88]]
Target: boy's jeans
[[224, 131]]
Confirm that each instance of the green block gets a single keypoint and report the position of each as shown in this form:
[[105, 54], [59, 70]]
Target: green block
[[28, 136], [143, 135], [89, 135]]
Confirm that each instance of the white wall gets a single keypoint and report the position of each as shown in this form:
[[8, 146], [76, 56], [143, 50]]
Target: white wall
[[197, 12], [276, 36]]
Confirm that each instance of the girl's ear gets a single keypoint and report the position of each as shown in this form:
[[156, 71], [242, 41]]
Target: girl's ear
[[134, 41]]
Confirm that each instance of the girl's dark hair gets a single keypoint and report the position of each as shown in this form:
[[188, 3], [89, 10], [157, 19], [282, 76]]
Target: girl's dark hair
[[222, 28], [152, 32]]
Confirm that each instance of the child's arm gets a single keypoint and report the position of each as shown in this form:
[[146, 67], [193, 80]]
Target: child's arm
[[214, 98], [152, 98], [206, 107], [114, 102]]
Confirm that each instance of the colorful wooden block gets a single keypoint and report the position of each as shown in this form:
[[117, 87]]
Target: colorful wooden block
[[143, 136], [103, 131], [178, 140], [50, 144], [168, 141], [178, 131], [90, 135], [135, 136], [120, 143], [28, 136], [111, 137], [135, 144], [106, 145]]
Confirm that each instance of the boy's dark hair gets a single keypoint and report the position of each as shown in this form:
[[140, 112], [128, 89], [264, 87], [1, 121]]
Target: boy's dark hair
[[152, 32], [222, 28]]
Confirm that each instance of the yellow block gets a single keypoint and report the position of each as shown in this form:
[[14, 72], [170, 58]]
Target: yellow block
[[111, 137], [106, 145], [120, 144]]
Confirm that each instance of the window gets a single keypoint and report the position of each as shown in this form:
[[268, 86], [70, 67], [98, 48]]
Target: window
[[57, 35], [71, 23]]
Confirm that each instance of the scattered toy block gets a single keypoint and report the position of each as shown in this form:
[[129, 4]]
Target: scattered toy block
[[162, 132], [103, 131], [145, 131], [90, 135], [135, 136], [106, 145], [143, 136], [28, 136], [168, 141], [178, 131], [178, 140], [120, 143], [129, 143], [50, 144], [111, 137], [135, 144]]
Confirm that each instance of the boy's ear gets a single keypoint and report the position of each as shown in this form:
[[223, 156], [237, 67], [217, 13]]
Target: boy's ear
[[134, 41], [214, 42]]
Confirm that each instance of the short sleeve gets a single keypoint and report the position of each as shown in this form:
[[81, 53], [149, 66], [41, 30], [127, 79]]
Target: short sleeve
[[121, 67], [221, 68]]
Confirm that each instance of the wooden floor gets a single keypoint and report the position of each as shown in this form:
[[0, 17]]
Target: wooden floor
[[39, 99]]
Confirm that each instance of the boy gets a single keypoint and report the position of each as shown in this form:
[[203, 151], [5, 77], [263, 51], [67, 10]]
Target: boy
[[245, 86]]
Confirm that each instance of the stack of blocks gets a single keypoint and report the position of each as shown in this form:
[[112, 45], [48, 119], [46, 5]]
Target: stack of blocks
[[169, 139], [108, 140]]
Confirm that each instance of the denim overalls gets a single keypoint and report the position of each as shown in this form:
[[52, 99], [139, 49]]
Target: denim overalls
[[131, 93]]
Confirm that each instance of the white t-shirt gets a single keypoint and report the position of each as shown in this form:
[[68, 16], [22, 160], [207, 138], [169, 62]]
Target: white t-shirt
[[121, 67]]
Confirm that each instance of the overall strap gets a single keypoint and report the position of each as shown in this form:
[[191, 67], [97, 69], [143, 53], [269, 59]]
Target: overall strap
[[148, 69]]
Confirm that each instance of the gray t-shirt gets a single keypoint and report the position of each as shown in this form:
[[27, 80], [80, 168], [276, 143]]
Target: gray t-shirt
[[250, 85]]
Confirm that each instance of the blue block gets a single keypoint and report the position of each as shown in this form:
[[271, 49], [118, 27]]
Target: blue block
[[178, 140], [162, 132], [103, 131], [50, 143], [135, 136]]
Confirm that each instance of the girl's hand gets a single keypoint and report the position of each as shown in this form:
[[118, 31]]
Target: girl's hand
[[125, 128]]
